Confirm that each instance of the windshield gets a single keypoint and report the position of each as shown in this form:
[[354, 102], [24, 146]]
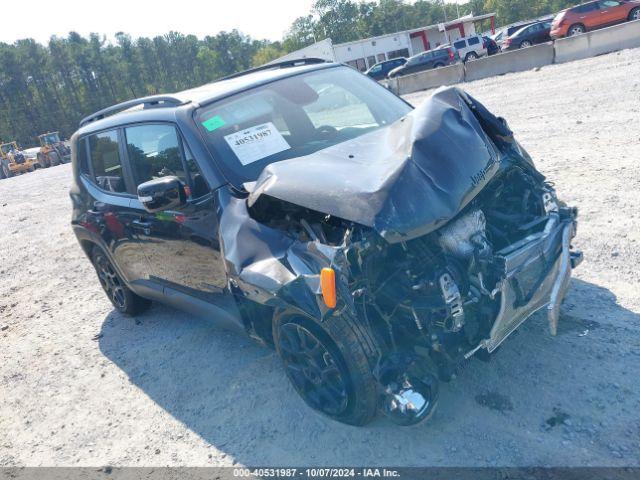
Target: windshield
[[293, 117], [50, 138]]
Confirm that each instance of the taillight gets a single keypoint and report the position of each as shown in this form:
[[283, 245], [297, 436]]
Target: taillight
[[451, 55], [484, 43], [507, 42]]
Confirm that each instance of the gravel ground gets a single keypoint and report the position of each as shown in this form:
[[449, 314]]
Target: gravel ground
[[82, 385]]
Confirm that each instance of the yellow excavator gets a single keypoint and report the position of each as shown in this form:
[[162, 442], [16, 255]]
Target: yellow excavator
[[53, 151], [13, 161]]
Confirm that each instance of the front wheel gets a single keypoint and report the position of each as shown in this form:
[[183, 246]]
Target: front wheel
[[121, 297], [329, 364], [634, 14], [576, 29], [525, 44]]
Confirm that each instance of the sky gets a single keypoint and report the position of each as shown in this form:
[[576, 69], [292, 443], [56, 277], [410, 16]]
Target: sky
[[39, 19]]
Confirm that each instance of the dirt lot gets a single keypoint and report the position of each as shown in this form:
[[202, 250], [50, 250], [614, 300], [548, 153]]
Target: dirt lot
[[81, 385]]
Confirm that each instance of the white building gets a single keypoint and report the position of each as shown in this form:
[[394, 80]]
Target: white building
[[363, 54]]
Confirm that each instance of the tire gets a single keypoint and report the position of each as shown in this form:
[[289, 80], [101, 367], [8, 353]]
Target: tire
[[525, 44], [42, 160], [634, 14], [6, 171], [120, 296], [471, 56], [438, 65], [575, 29], [337, 379], [54, 158]]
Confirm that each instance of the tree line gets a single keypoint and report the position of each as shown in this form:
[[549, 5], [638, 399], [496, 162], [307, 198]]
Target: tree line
[[51, 87]]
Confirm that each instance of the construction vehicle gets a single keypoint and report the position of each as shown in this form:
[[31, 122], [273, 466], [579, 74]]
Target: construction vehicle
[[13, 161], [53, 151]]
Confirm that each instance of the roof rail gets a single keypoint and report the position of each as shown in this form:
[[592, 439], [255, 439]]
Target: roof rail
[[153, 101], [284, 64]]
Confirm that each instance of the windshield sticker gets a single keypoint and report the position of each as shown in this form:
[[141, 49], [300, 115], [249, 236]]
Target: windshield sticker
[[256, 143], [214, 123]]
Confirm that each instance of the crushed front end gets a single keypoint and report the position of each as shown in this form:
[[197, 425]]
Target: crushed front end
[[444, 238]]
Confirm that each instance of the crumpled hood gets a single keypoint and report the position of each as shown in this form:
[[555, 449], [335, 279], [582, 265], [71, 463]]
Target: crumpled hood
[[404, 180]]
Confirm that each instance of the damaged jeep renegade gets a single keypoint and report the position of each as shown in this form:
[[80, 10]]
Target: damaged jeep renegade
[[375, 245]]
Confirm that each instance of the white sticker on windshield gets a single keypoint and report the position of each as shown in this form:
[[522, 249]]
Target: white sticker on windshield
[[256, 143]]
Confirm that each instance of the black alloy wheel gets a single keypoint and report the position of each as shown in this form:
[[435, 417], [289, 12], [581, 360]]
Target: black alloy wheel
[[313, 369], [110, 281]]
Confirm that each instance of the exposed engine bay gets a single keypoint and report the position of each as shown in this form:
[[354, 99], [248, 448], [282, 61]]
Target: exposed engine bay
[[456, 277]]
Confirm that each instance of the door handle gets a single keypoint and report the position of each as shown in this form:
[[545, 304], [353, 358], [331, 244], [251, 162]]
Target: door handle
[[144, 226]]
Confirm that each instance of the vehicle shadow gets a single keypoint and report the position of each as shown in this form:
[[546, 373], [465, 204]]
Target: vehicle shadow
[[234, 394]]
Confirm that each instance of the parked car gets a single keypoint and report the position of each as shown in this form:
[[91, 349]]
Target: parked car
[[528, 36], [471, 48], [376, 246], [500, 36], [593, 15], [380, 70], [436, 58], [492, 46]]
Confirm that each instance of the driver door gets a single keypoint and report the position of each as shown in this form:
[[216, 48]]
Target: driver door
[[181, 245]]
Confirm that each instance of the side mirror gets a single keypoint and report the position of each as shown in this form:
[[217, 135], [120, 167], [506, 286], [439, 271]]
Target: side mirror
[[163, 193]]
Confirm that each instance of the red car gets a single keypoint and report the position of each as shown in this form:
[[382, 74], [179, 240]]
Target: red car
[[593, 15]]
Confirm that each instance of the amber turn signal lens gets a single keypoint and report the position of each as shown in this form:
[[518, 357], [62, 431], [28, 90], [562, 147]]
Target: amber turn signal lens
[[328, 287]]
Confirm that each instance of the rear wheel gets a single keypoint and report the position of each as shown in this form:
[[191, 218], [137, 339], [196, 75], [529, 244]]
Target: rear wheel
[[121, 297], [576, 29], [471, 56], [634, 14], [6, 171], [43, 161], [329, 365], [525, 44], [54, 158]]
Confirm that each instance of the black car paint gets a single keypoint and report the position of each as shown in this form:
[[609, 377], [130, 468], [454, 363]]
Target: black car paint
[[386, 67], [426, 61], [531, 33], [492, 46], [211, 256], [189, 257], [177, 256]]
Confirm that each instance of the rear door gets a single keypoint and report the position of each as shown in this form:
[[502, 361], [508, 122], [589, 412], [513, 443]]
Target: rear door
[[182, 245], [105, 175], [589, 15]]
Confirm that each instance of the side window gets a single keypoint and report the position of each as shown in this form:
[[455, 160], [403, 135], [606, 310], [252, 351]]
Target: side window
[[587, 7], [460, 44], [83, 160], [376, 68], [105, 159], [609, 3], [474, 41], [154, 151]]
